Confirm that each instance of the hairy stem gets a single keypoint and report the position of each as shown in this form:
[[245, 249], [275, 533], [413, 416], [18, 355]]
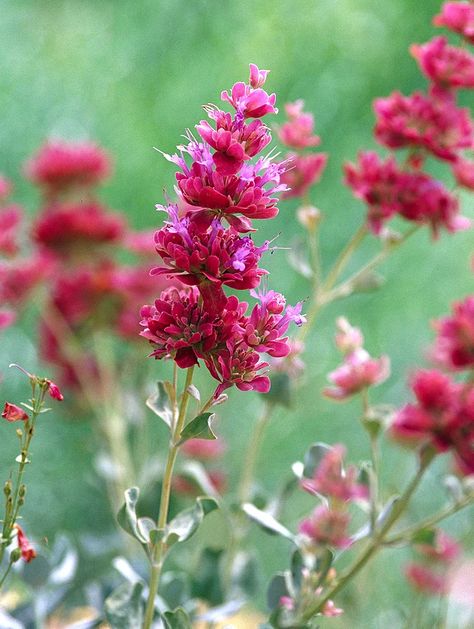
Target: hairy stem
[[160, 547]]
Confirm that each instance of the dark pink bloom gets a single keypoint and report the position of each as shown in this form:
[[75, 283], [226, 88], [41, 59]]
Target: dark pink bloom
[[233, 140], [14, 413], [463, 171], [269, 321], [250, 101], [215, 255], [59, 165], [447, 66], [421, 121], [7, 318], [425, 579], [297, 132], [332, 480], [458, 17], [326, 527], [358, 372], [20, 277], [10, 218], [181, 328], [304, 171], [454, 346], [203, 449], [28, 553], [66, 228], [388, 190], [238, 365]]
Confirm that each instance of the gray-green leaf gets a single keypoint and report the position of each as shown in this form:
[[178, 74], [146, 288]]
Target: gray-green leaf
[[186, 523], [124, 607], [159, 403], [198, 428]]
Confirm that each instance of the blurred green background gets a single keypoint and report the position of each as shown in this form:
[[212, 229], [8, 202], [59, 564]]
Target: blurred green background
[[133, 75]]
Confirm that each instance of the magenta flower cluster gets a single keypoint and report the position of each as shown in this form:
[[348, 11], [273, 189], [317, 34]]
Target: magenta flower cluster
[[221, 192], [427, 125]]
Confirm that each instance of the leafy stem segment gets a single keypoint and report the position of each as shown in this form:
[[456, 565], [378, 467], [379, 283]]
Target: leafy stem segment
[[159, 547]]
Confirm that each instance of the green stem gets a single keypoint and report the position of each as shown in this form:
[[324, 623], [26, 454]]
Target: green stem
[[344, 257], [375, 544], [253, 451], [160, 547], [7, 571]]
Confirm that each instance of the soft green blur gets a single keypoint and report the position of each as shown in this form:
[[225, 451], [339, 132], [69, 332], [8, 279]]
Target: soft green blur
[[133, 76]]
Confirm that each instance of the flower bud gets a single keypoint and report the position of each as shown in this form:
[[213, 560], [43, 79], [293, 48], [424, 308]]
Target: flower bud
[[22, 492], [7, 487], [15, 555], [309, 216]]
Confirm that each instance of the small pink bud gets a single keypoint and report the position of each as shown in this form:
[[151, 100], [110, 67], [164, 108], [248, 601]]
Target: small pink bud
[[28, 553], [348, 338], [14, 413], [309, 216], [54, 391]]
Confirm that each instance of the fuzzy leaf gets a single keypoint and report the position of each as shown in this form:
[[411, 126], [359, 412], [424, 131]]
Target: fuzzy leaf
[[267, 521], [124, 607], [186, 523], [159, 403], [425, 537], [198, 428], [127, 516], [276, 589]]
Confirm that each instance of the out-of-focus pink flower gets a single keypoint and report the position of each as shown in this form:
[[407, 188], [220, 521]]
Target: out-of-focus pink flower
[[215, 255], [331, 480], [447, 66], [454, 346], [141, 243], [28, 553], [64, 229], [348, 338], [291, 364], [186, 487], [14, 413], [425, 579], [443, 550], [5, 189], [10, 218], [250, 101], [204, 449], [331, 610], [19, 278], [59, 165], [326, 527], [7, 318], [388, 190], [297, 132], [358, 372], [304, 172], [458, 17], [463, 171], [424, 122], [461, 584]]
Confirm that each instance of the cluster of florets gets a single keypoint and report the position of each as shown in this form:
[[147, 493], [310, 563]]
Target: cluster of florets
[[359, 371], [443, 413], [297, 134], [196, 321], [426, 124], [73, 256]]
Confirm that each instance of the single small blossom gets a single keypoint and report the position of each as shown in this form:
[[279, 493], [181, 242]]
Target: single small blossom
[[297, 132], [326, 527], [330, 610], [330, 479], [358, 372], [251, 101], [59, 165], [458, 17], [54, 391], [28, 553], [304, 171], [447, 66], [424, 122], [454, 346], [14, 413]]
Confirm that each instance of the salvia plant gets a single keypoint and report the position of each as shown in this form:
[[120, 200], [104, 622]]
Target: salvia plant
[[209, 307]]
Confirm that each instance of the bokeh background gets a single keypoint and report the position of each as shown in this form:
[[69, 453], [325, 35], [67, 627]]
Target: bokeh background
[[132, 76]]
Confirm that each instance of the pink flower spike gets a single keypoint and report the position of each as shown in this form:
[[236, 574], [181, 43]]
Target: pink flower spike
[[304, 171], [358, 372], [28, 553], [454, 345], [54, 391], [257, 77], [447, 66], [297, 132], [14, 413]]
